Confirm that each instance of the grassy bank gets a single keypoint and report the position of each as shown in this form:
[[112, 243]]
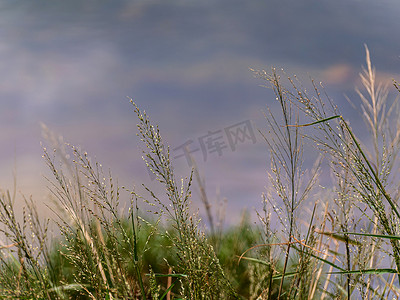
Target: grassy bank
[[335, 242]]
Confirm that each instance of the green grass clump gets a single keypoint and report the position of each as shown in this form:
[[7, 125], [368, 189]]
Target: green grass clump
[[336, 242]]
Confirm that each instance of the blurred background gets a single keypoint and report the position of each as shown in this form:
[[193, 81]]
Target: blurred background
[[72, 64]]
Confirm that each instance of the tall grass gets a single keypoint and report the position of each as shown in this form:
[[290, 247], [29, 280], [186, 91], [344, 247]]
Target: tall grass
[[198, 262], [336, 242], [364, 180]]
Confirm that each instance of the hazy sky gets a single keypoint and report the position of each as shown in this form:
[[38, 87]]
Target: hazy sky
[[71, 65]]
